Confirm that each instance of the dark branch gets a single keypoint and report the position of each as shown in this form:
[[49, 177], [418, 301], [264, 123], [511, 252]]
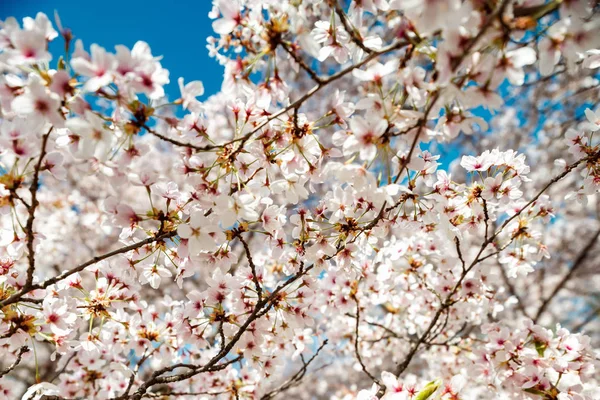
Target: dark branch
[[33, 189], [20, 353], [576, 265], [25, 290], [296, 378]]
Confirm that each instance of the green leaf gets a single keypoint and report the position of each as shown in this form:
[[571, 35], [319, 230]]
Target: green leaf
[[540, 347], [428, 390]]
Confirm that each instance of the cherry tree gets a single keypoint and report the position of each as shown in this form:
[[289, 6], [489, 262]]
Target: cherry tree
[[388, 199]]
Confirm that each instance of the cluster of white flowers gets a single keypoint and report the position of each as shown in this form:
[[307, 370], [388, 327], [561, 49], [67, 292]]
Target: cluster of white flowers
[[366, 206]]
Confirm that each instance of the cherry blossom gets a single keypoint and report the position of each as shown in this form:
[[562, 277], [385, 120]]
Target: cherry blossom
[[200, 232], [387, 199], [98, 68]]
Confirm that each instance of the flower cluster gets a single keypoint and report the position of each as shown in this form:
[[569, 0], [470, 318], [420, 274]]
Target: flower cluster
[[366, 205], [537, 361]]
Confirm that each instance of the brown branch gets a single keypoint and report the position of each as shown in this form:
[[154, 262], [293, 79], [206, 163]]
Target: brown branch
[[295, 104], [352, 31], [513, 291], [448, 301], [592, 157], [436, 332], [497, 13], [33, 189], [53, 397], [421, 124], [178, 143], [486, 218], [26, 289], [545, 78], [315, 77], [324, 82], [576, 265], [11, 331], [135, 372], [15, 195], [589, 318], [63, 369], [194, 370], [257, 286], [20, 352], [161, 395], [260, 309], [536, 11], [357, 344], [221, 336], [296, 378], [459, 252]]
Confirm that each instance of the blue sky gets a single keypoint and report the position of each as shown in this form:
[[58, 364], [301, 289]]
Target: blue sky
[[175, 29]]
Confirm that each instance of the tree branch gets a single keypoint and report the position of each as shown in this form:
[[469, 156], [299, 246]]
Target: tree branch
[[512, 290], [352, 31], [17, 296], [448, 301], [302, 63], [257, 286], [20, 352], [33, 189], [357, 344], [296, 378], [576, 265]]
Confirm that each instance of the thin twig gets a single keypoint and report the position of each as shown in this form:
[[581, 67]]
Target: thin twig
[[357, 344], [352, 31], [459, 252], [449, 302], [315, 77], [25, 290], [22, 350], [257, 286], [297, 377], [576, 265], [589, 318], [33, 189], [512, 290]]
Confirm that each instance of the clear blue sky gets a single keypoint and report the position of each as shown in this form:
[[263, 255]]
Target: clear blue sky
[[175, 29]]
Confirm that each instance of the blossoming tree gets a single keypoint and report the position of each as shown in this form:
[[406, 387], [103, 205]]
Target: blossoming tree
[[389, 199]]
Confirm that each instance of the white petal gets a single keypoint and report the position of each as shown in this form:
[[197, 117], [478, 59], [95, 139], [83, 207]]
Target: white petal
[[184, 231], [224, 26], [523, 56]]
